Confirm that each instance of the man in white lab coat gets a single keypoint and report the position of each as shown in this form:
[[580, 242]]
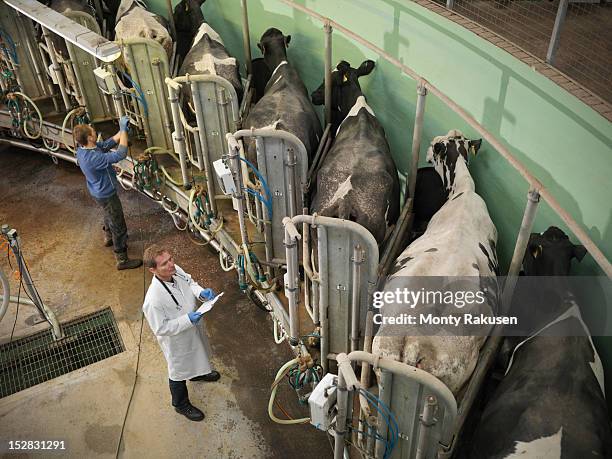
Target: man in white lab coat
[[169, 307]]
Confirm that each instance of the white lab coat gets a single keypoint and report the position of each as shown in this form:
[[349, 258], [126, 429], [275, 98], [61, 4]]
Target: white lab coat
[[184, 344]]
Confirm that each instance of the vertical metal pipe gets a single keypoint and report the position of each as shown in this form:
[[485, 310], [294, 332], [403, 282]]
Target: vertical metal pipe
[[533, 199], [328, 71], [44, 83], [79, 80], [56, 69], [178, 136], [384, 384], [246, 40], [427, 421], [416, 138], [556, 33], [340, 430], [290, 180], [357, 260], [323, 293], [450, 4], [222, 100], [234, 157], [291, 253], [259, 215], [171, 18], [164, 104], [210, 179], [371, 429], [28, 283]]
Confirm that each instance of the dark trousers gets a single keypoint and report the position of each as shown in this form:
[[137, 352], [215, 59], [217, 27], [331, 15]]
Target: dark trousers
[[180, 396], [114, 222]]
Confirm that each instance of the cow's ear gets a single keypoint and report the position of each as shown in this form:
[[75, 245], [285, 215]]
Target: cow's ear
[[475, 145], [261, 48], [366, 68], [287, 40], [579, 252], [439, 149]]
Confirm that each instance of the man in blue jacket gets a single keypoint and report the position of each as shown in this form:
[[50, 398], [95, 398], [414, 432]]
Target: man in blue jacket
[[96, 161]]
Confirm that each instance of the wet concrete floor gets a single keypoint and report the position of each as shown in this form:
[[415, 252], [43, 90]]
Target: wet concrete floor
[[60, 228]]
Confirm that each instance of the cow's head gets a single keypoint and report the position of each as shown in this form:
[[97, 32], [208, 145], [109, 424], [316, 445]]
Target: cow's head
[[273, 45], [444, 152], [345, 89], [188, 16], [551, 253]]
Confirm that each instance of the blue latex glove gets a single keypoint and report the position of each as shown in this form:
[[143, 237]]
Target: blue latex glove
[[194, 317], [207, 294], [124, 123]]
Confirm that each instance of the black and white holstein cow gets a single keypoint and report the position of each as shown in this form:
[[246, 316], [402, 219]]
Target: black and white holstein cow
[[285, 104], [134, 20], [459, 242], [358, 178], [550, 403], [200, 48]]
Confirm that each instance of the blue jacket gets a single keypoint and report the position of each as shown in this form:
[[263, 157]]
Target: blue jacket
[[96, 164]]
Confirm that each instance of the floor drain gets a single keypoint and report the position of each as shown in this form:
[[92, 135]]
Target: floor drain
[[37, 358]]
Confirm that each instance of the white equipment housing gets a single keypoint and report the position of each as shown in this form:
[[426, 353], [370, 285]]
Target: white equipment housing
[[224, 177], [322, 403]]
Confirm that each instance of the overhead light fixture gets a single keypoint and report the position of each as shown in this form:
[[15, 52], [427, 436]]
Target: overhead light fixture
[[71, 31]]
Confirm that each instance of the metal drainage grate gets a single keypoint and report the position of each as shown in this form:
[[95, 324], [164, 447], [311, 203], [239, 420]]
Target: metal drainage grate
[[37, 358]]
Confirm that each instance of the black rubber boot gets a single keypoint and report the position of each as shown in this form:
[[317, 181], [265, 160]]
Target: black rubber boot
[[123, 262]]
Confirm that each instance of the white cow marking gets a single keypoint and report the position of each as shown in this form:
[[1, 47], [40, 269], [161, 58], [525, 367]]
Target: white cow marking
[[542, 448], [596, 365], [342, 190], [208, 62], [359, 104], [277, 67], [205, 29]]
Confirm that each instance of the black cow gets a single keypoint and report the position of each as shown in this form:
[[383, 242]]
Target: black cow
[[201, 49], [285, 104], [550, 403], [358, 178]]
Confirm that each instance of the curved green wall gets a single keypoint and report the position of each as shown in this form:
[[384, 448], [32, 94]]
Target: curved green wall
[[564, 143]]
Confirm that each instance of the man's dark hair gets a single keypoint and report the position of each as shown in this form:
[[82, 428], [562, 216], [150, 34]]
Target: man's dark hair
[[152, 252], [81, 132]]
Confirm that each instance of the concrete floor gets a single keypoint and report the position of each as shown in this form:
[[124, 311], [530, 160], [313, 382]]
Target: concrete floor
[[60, 227]]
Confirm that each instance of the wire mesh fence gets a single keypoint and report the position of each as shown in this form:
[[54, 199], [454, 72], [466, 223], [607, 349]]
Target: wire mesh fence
[[580, 45]]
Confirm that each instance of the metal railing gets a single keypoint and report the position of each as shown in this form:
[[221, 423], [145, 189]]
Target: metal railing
[[571, 35], [536, 189]]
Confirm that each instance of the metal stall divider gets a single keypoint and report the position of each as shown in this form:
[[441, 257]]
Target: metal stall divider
[[26, 64], [347, 259], [401, 385], [97, 104], [217, 114], [282, 163], [147, 66]]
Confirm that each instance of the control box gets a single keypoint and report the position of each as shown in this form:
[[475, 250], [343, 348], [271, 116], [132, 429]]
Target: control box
[[224, 177], [322, 403], [105, 80]]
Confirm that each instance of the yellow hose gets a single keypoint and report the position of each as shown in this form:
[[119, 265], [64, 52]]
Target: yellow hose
[[170, 179], [25, 129], [279, 376], [163, 150], [70, 113]]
